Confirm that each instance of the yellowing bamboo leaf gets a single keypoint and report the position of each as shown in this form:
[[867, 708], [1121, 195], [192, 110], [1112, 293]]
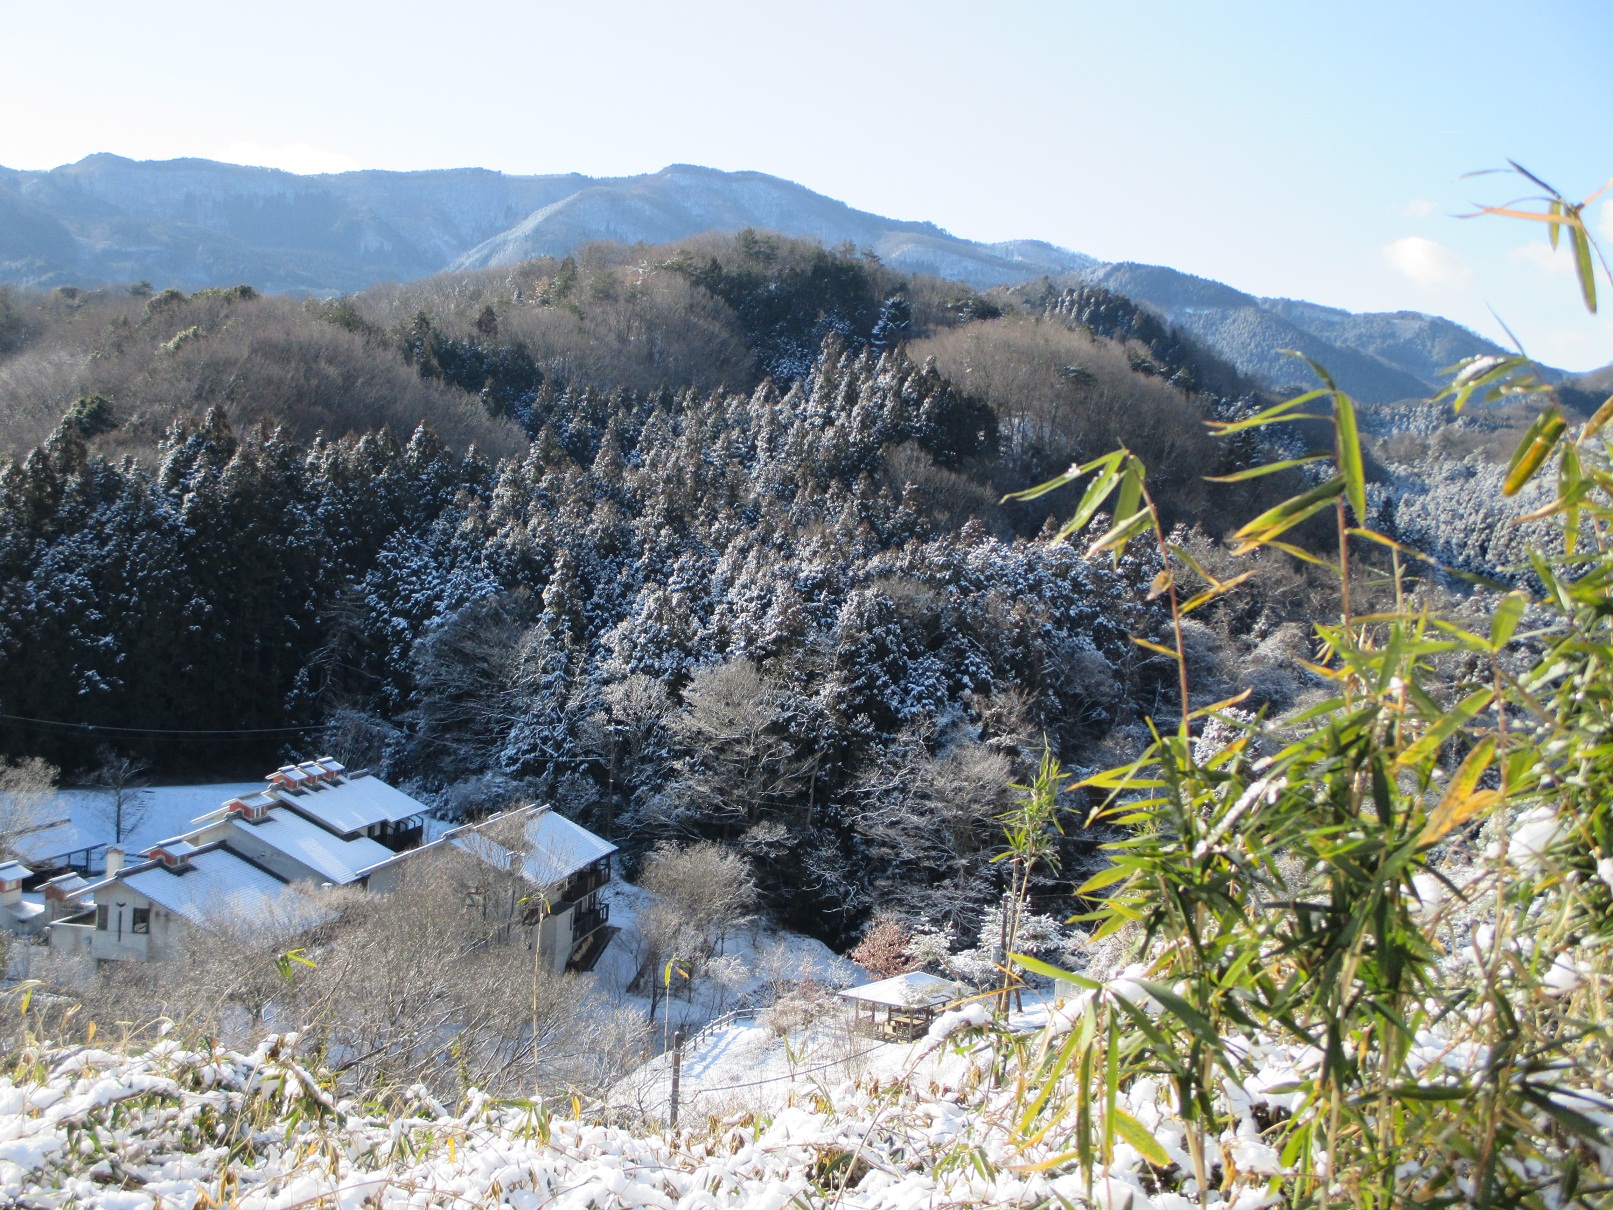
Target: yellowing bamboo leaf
[[1135, 1133], [1537, 443], [1602, 416], [1288, 548], [1269, 468], [1462, 799], [1566, 219], [1161, 584], [1223, 704], [1154, 647], [1276, 521], [1215, 590]]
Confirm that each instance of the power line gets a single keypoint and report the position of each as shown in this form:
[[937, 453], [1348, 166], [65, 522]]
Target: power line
[[216, 732]]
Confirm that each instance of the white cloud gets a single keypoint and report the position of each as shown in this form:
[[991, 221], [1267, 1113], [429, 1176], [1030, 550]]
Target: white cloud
[[1576, 348], [301, 158], [1607, 218], [1418, 209], [1541, 255], [1431, 265]]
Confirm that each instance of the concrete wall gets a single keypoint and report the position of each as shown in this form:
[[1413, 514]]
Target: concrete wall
[[554, 935], [166, 938]]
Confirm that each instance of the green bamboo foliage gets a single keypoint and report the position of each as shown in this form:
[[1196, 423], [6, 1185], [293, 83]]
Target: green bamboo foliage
[[1286, 889]]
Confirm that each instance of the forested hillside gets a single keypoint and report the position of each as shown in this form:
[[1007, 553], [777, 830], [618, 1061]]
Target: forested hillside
[[703, 541], [700, 545]]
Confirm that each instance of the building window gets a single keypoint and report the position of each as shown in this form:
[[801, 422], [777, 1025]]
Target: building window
[[101, 913], [142, 921]]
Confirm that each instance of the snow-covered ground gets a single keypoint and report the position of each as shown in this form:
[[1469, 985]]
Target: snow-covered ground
[[759, 1064], [754, 960]]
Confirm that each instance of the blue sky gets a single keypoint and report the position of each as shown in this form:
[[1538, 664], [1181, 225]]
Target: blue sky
[[1297, 149]]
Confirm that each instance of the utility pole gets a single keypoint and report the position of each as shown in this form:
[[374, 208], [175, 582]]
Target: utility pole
[[677, 1076]]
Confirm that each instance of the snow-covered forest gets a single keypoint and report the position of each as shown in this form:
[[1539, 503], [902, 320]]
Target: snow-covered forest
[[701, 542]]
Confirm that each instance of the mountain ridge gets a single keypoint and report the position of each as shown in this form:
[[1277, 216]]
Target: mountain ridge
[[194, 223]]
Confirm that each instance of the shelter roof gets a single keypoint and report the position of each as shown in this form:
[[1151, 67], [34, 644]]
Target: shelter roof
[[916, 989]]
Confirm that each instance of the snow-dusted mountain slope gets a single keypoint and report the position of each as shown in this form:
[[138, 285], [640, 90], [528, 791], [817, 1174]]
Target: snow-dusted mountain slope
[[1378, 357], [685, 200]]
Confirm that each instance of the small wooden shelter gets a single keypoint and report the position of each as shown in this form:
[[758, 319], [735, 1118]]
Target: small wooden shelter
[[901, 1008]]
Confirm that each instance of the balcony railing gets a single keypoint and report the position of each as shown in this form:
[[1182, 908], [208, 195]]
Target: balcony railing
[[584, 883], [402, 838], [588, 922]]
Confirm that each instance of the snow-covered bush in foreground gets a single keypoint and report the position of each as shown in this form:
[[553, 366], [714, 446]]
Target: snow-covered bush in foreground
[[172, 1126]]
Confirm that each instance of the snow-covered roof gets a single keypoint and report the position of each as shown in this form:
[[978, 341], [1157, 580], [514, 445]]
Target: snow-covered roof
[[334, 859], [24, 910], [14, 871], [44, 845], [69, 885], [81, 818], [354, 804], [555, 847], [916, 989], [219, 888]]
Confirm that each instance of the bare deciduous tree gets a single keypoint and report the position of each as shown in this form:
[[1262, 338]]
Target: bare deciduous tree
[[126, 804], [736, 767], [25, 788], [701, 892]]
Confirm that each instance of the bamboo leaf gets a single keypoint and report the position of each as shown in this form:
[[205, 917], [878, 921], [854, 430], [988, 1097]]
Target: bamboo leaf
[[1276, 521], [1505, 621], [1349, 451], [1453, 719], [1316, 368], [1092, 500], [1103, 878], [1288, 548], [1276, 414], [1571, 489], [1197, 1023], [1270, 468], [1052, 972], [1553, 230], [1122, 533], [1570, 1119], [1223, 704], [1075, 472], [1583, 266], [1131, 489], [1602, 416], [1138, 1135], [1216, 590], [1154, 647], [1161, 584], [1462, 798], [1537, 443]]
